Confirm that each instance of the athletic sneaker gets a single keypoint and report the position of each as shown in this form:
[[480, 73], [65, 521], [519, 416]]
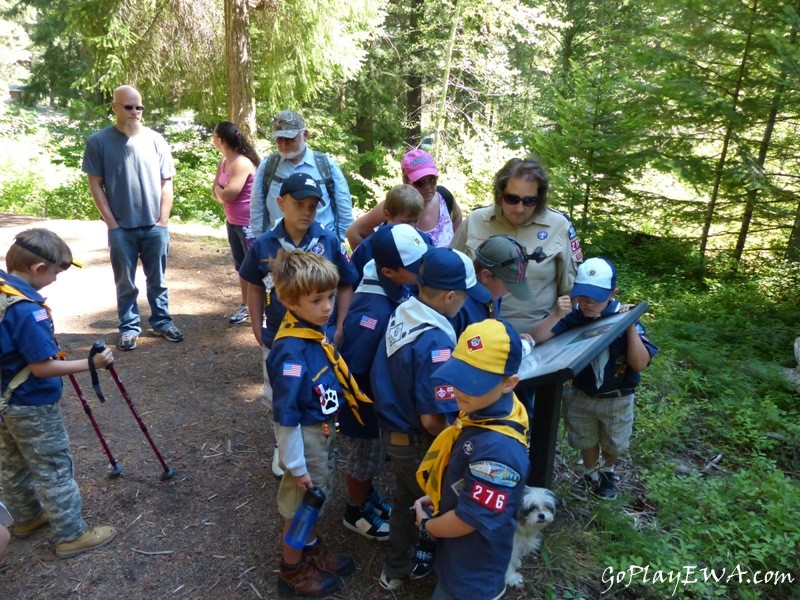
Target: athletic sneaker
[[240, 315], [607, 488], [422, 560], [380, 504], [170, 333], [364, 520], [127, 341], [390, 584]]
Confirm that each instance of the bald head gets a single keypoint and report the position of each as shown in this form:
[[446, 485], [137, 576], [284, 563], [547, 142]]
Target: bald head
[[127, 107]]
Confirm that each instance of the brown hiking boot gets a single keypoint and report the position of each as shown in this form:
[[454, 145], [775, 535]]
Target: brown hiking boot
[[28, 529], [93, 537], [326, 560], [305, 579]]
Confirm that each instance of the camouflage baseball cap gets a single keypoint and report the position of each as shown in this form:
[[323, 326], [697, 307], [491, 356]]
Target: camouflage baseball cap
[[287, 123]]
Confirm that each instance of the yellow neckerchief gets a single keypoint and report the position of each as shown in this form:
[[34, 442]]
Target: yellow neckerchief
[[431, 470], [292, 327]]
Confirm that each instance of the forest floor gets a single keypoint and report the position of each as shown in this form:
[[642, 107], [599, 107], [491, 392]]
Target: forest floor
[[212, 531]]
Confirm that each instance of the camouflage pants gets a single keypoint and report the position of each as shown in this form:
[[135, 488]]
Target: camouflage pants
[[36, 469]]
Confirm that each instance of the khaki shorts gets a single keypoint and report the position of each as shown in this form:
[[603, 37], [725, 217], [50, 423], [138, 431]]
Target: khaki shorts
[[591, 421], [320, 463]]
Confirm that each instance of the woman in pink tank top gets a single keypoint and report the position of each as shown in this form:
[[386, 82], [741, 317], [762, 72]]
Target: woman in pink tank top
[[232, 187]]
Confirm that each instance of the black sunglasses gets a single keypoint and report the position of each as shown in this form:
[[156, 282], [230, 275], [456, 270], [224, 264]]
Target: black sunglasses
[[538, 255], [425, 181], [138, 107], [526, 200]]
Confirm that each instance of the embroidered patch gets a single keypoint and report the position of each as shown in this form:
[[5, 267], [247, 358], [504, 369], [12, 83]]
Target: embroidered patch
[[579, 256], [444, 392], [542, 235], [575, 245], [40, 315], [440, 355], [475, 344], [468, 447], [343, 250], [572, 233], [495, 472], [489, 497], [292, 369], [368, 322], [318, 248]]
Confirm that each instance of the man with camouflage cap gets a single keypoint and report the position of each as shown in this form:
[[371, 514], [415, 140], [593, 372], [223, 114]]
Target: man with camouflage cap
[[294, 156]]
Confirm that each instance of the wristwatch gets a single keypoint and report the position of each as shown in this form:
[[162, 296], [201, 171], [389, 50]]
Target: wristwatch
[[423, 533]]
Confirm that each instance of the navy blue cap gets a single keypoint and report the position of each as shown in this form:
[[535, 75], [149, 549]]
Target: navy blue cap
[[300, 186]]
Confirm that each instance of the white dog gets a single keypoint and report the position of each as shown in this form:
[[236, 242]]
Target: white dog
[[536, 511]]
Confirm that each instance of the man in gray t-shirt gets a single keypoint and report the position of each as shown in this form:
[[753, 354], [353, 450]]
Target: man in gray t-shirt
[[130, 173]]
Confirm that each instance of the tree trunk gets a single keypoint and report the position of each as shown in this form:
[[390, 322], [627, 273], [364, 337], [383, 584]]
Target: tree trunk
[[413, 79], [712, 202], [441, 114], [239, 63], [793, 247]]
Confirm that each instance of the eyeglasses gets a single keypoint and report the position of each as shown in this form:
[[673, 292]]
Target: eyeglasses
[[130, 107], [513, 200], [424, 182]]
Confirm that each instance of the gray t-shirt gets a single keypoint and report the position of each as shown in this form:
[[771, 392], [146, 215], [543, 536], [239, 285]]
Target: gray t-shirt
[[132, 169]]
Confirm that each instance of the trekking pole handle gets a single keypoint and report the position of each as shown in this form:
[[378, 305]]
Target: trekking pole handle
[[98, 347]]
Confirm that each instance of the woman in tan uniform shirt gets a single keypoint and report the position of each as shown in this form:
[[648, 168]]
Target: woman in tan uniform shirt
[[520, 210]]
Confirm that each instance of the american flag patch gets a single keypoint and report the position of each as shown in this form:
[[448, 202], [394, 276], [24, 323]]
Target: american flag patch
[[40, 315], [368, 322], [292, 370], [440, 355]]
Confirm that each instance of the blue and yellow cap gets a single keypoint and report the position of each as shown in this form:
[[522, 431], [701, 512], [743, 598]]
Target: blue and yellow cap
[[486, 352]]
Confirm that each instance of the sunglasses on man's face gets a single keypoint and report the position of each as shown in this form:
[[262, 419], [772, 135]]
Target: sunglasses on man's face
[[130, 107], [526, 200]]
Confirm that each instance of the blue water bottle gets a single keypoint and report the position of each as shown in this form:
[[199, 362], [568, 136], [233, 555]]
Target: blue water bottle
[[305, 518]]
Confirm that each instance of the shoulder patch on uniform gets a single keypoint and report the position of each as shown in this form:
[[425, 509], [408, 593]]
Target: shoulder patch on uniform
[[440, 355], [493, 499], [542, 235], [368, 322], [292, 369], [495, 472], [572, 233], [444, 392], [318, 248], [40, 315]]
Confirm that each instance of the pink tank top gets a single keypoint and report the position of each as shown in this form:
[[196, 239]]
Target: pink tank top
[[238, 211]]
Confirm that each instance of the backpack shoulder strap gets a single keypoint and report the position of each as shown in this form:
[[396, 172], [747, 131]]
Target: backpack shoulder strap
[[324, 168], [448, 197], [10, 295], [269, 176]]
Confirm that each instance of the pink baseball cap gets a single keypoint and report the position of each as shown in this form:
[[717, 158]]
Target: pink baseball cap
[[417, 164]]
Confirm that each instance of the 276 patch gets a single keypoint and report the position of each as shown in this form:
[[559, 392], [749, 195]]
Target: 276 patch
[[493, 499], [444, 392]]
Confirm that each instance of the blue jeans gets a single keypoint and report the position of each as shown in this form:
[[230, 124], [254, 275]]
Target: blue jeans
[[151, 245]]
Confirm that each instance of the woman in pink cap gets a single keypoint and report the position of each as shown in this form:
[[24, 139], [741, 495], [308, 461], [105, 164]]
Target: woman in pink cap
[[441, 215]]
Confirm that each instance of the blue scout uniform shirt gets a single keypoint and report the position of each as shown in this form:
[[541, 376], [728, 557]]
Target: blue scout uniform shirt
[[475, 312], [363, 252], [364, 329], [255, 268], [26, 337], [423, 339], [616, 374], [303, 382], [483, 481]]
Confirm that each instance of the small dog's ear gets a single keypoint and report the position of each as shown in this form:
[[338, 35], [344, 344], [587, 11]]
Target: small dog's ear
[[557, 500]]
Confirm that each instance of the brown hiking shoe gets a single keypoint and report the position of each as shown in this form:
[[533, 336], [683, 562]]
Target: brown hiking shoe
[[93, 537], [327, 560], [28, 529], [305, 579]]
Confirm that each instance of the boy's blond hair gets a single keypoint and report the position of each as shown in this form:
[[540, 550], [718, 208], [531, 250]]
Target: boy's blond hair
[[37, 245], [297, 273], [404, 200]]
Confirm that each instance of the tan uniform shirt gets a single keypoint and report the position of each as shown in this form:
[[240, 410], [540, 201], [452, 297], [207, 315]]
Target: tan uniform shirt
[[549, 279]]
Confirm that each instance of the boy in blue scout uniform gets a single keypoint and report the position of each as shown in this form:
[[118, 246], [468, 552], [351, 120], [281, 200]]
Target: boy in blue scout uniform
[[500, 265], [419, 338], [311, 382], [299, 197], [36, 465], [598, 409], [397, 251], [474, 473]]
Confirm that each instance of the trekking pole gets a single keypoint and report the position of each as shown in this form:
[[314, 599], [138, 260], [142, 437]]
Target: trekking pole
[[115, 470], [168, 472]]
